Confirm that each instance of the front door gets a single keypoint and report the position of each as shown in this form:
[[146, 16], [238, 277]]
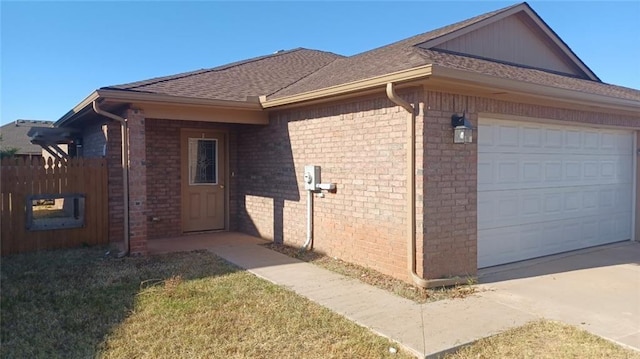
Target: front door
[[203, 180]]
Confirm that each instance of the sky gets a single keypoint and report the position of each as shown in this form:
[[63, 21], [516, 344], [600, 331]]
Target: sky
[[54, 54]]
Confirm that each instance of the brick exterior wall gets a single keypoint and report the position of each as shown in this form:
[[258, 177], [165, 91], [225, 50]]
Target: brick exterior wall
[[137, 182], [116, 189], [360, 145], [164, 178]]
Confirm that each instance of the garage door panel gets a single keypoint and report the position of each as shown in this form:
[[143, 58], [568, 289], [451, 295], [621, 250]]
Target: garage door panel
[[622, 227], [546, 188], [521, 171], [505, 137], [507, 208], [501, 245], [485, 173], [590, 233], [515, 243]]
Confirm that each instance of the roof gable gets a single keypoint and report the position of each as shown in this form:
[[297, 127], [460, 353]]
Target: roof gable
[[516, 36], [386, 59]]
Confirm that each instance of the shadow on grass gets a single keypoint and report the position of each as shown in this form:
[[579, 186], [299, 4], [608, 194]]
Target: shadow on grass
[[63, 304]]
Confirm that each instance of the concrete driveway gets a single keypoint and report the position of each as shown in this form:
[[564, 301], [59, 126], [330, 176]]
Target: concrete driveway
[[596, 289]]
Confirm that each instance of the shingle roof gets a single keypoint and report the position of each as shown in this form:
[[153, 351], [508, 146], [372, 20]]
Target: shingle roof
[[253, 77], [406, 54], [397, 56], [14, 135], [534, 76], [297, 71]]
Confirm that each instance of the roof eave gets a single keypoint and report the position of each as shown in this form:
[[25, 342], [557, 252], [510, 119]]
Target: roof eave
[[124, 96], [358, 86], [75, 112], [106, 95], [544, 92]]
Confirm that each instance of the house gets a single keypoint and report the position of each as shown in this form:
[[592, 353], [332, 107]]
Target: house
[[28, 139], [14, 136], [550, 165]]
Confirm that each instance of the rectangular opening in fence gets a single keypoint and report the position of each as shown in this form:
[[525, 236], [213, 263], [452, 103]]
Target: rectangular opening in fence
[[55, 211]]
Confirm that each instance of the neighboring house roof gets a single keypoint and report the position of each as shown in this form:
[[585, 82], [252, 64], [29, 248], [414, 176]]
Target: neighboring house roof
[[236, 81], [14, 135]]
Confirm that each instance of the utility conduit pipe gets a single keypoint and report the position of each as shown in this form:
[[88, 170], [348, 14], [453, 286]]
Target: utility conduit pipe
[[308, 244], [125, 170]]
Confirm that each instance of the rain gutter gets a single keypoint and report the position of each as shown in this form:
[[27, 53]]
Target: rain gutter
[[125, 170]]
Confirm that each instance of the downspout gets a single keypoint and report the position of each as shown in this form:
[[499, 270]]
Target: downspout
[[125, 171], [411, 194], [411, 185]]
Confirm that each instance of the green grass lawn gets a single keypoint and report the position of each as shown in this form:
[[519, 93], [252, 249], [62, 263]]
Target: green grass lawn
[[79, 304]]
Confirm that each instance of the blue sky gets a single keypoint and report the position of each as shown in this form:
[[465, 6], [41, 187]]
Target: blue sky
[[53, 54]]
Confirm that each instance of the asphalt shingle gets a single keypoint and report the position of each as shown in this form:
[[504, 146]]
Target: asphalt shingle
[[297, 71], [14, 135], [533, 76], [397, 56], [254, 77]]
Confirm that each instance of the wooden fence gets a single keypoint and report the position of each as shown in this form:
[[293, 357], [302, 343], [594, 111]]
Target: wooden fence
[[52, 205]]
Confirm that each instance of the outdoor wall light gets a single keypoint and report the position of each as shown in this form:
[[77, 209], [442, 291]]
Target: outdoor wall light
[[462, 129]]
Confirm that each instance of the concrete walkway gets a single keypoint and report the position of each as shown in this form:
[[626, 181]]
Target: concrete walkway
[[426, 330]]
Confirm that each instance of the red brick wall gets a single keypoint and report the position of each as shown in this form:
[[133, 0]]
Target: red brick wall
[[115, 191], [163, 173], [449, 190], [360, 145], [137, 182]]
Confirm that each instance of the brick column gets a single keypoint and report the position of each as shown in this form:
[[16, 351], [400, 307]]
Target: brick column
[[450, 190], [114, 170], [137, 182]]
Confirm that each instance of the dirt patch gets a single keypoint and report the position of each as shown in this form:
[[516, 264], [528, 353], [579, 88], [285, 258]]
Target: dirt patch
[[375, 278]]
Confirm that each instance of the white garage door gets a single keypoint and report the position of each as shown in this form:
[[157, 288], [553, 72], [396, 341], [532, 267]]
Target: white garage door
[[545, 189]]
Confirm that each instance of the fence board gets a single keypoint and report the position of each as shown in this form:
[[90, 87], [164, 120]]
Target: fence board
[[20, 179]]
